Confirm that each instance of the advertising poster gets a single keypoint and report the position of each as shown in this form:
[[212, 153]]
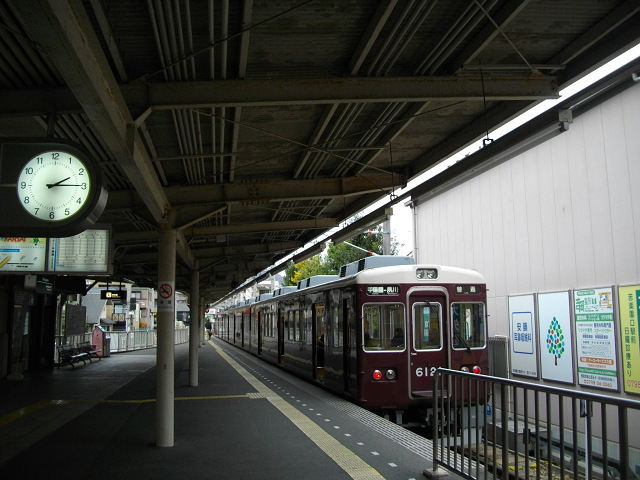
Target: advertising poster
[[20, 254], [522, 326], [629, 303], [556, 352], [595, 338]]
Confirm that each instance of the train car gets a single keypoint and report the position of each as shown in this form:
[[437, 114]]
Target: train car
[[374, 334]]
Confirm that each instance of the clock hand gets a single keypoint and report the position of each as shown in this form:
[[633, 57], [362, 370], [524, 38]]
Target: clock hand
[[57, 184]]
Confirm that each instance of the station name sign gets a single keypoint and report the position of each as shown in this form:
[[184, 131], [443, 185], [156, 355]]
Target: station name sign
[[383, 290]]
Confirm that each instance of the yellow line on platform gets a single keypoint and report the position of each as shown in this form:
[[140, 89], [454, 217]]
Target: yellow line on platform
[[21, 412], [24, 411], [351, 463]]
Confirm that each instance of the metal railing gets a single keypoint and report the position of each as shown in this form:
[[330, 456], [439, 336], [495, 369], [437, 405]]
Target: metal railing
[[125, 341], [537, 431]]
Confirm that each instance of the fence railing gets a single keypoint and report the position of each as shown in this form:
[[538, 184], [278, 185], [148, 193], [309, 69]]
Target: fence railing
[[125, 341], [537, 431]]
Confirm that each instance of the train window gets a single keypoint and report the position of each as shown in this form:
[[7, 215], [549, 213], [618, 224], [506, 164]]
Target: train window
[[336, 323], [383, 327], [426, 322], [468, 325]]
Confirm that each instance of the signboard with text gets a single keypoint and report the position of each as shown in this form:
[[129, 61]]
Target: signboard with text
[[629, 303], [595, 338], [522, 327]]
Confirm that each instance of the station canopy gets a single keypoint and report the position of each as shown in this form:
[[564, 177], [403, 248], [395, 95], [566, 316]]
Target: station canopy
[[251, 127]]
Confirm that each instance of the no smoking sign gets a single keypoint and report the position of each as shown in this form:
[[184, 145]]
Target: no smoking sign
[[166, 296]]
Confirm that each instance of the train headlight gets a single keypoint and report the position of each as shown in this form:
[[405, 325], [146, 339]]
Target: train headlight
[[477, 369], [390, 374], [465, 369], [377, 374], [426, 273]]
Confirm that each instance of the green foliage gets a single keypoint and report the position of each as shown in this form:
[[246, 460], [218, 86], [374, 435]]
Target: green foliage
[[338, 255]]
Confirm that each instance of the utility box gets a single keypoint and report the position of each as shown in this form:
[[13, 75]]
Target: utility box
[[101, 342]]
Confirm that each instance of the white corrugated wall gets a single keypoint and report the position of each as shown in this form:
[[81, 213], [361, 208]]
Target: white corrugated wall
[[564, 215]]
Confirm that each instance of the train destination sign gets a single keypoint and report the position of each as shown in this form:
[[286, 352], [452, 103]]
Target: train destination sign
[[383, 290], [468, 289]]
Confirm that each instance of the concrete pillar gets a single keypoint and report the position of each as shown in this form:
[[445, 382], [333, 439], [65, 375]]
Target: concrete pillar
[[195, 328], [165, 364]]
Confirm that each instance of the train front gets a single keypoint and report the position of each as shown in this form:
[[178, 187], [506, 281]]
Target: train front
[[414, 320]]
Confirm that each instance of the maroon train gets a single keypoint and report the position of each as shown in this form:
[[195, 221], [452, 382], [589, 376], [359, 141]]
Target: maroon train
[[374, 334]]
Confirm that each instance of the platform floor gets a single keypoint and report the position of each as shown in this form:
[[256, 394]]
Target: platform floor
[[246, 419]]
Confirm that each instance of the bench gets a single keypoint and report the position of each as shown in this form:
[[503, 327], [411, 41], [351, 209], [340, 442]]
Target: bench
[[69, 355], [89, 349]]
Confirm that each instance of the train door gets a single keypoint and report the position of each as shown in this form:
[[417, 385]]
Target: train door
[[281, 336], [318, 341], [260, 323], [348, 339], [428, 337], [242, 329]]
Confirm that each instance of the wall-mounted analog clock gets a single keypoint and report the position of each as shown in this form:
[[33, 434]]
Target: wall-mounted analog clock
[[57, 185], [54, 186]]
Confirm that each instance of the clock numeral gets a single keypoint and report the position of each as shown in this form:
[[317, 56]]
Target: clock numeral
[[79, 201], [26, 200], [81, 171], [29, 170], [66, 212], [40, 161], [52, 215], [83, 186], [55, 155], [23, 185]]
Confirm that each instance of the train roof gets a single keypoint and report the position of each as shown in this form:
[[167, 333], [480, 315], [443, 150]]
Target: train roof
[[384, 269], [420, 273]]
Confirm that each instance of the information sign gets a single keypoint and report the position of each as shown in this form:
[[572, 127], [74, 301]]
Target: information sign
[[524, 359], [629, 303], [595, 338]]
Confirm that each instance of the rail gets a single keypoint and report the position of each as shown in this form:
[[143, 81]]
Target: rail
[[538, 431], [126, 341]]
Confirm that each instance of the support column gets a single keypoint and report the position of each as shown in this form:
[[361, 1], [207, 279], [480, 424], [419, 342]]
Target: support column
[[195, 327], [165, 363]]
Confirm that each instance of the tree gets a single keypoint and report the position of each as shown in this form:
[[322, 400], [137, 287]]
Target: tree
[[305, 269], [337, 255]]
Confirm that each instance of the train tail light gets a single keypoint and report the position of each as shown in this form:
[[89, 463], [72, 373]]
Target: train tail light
[[389, 374], [476, 369]]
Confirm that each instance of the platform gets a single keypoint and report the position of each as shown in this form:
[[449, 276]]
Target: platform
[[245, 419]]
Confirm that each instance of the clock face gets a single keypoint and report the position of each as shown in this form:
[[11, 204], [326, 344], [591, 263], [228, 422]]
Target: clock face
[[54, 186]]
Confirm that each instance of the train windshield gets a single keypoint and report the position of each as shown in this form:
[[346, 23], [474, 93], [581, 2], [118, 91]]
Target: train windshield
[[383, 327], [468, 325], [426, 321]]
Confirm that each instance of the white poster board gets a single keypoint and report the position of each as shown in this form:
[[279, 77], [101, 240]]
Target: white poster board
[[556, 351], [595, 338], [522, 327]]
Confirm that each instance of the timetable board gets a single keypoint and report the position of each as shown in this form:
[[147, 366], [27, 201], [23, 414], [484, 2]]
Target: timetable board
[[89, 252]]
